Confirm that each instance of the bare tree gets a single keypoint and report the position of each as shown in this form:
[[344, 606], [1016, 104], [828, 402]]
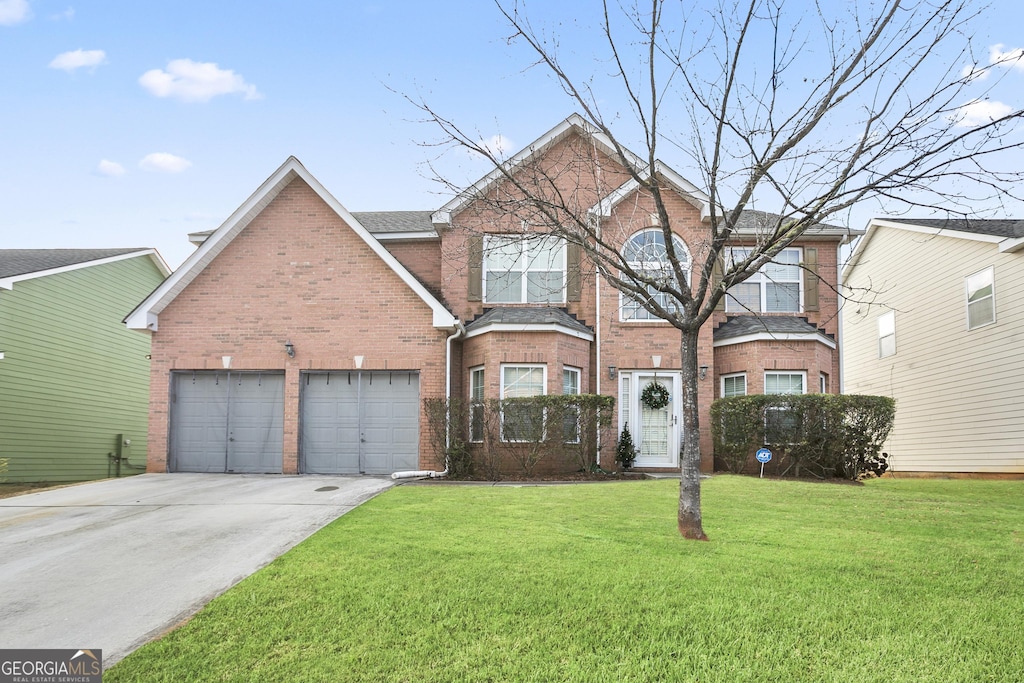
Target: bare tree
[[805, 114]]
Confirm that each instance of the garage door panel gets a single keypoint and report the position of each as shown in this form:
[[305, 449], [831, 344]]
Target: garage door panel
[[227, 422], [374, 427]]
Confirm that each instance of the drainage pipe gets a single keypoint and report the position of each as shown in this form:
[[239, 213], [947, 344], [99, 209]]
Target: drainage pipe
[[460, 330]]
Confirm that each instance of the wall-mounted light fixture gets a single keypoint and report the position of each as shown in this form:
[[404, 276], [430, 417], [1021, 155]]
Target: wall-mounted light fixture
[[289, 348], [703, 371], [611, 372]]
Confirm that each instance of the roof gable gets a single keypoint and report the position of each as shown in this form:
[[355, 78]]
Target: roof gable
[[573, 124], [25, 264], [146, 315], [1006, 234]]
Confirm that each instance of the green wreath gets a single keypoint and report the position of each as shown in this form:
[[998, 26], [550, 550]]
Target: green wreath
[[654, 396]]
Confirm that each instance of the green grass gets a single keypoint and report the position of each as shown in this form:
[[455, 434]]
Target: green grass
[[899, 580]]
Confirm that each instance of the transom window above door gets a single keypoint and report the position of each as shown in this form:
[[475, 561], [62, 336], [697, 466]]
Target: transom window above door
[[773, 289], [524, 269]]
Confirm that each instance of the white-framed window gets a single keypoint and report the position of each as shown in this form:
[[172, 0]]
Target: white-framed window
[[792, 382], [571, 387], [776, 288], [887, 334], [822, 383], [476, 404], [646, 253], [734, 385], [981, 298], [524, 269], [779, 420], [522, 423]]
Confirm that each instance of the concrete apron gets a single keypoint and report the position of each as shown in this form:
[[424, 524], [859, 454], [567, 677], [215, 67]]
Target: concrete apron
[[112, 564]]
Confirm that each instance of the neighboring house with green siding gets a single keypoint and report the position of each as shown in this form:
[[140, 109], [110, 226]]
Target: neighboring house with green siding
[[74, 382]]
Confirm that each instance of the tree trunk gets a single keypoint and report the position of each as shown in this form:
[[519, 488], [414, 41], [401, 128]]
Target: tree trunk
[[690, 525]]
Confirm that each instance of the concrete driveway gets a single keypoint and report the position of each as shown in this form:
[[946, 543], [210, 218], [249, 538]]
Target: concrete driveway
[[112, 564]]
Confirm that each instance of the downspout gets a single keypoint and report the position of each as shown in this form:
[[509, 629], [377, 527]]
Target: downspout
[[597, 337], [460, 330], [841, 301]]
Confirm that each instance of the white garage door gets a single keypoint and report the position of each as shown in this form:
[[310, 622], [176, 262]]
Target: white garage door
[[227, 421], [356, 422]]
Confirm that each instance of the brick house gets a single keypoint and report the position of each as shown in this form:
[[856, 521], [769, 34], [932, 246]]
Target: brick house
[[300, 337]]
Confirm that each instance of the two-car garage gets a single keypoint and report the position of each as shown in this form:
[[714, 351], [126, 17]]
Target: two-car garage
[[350, 422]]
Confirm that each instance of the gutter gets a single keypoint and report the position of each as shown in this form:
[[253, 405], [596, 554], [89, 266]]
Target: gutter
[[460, 331]]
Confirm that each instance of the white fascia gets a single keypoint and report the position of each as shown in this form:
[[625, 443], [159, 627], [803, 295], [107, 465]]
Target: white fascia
[[783, 336], [531, 327], [8, 282], [146, 315], [417, 235]]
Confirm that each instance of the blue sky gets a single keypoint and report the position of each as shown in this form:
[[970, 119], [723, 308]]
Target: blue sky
[[135, 123]]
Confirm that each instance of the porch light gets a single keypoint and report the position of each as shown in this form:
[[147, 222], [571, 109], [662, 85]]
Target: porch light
[[289, 348], [703, 371], [611, 372]]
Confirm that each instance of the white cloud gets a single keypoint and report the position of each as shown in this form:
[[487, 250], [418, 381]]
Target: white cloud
[[76, 59], [109, 168], [196, 82], [14, 12], [1012, 58], [163, 162], [498, 145], [972, 73], [979, 112]]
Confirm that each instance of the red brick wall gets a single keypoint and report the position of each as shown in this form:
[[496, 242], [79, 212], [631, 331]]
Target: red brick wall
[[755, 358], [421, 257], [296, 273]]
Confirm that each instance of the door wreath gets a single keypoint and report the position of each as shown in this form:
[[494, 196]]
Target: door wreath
[[654, 395]]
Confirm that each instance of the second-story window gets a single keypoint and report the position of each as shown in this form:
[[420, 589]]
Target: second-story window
[[520, 269], [773, 289], [647, 255]]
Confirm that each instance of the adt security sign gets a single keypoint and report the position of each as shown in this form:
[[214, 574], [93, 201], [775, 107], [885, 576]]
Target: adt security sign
[[763, 455]]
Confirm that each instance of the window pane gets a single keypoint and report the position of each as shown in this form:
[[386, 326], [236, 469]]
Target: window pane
[[785, 266], [504, 254], [504, 287], [782, 297], [887, 324], [544, 287], [518, 382], [981, 312], [545, 254], [570, 381], [476, 409], [979, 285], [744, 297], [784, 383], [734, 386]]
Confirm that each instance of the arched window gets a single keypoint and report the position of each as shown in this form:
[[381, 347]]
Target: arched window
[[646, 252]]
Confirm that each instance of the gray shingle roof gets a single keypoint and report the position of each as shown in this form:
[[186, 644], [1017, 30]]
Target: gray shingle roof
[[998, 227], [22, 261], [395, 221], [743, 325], [759, 220], [517, 315]]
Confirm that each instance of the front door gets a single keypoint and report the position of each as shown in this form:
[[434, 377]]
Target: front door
[[656, 431]]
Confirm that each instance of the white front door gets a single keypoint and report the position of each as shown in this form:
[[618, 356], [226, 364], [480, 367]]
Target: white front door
[[655, 431]]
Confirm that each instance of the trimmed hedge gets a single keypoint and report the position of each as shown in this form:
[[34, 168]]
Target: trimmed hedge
[[822, 435], [518, 434]]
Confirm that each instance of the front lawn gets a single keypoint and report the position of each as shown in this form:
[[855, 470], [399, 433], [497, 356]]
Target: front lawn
[[899, 580]]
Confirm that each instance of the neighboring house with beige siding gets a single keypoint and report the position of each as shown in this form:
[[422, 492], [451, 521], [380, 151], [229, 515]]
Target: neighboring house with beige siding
[[935, 319]]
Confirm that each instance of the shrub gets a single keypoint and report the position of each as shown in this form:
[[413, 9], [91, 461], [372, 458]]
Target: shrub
[[625, 451], [823, 435], [447, 438], [520, 433]]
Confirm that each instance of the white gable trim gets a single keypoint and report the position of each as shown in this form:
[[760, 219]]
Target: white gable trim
[[781, 336], [1005, 244], [687, 190], [8, 282], [574, 122], [146, 315]]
